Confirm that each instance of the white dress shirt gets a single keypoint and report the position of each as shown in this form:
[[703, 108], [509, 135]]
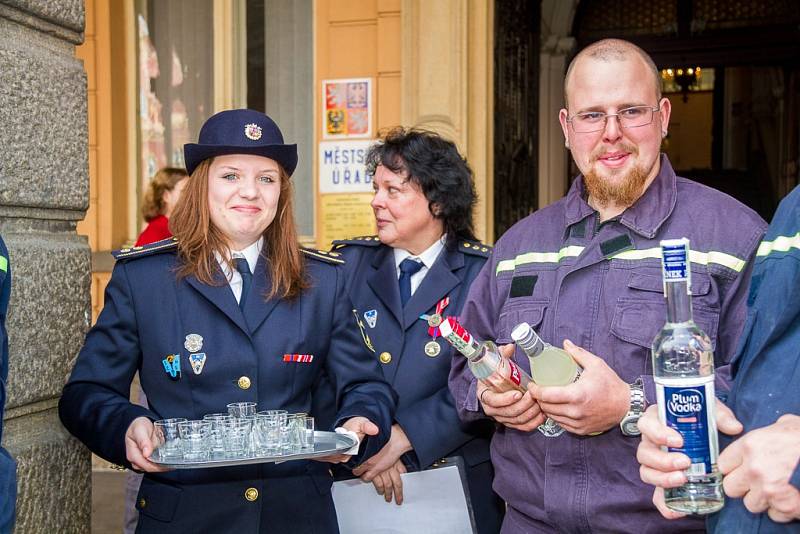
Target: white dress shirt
[[427, 258], [251, 254]]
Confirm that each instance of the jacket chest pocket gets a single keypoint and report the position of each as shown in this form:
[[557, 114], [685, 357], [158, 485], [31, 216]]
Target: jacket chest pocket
[[642, 312], [528, 310]]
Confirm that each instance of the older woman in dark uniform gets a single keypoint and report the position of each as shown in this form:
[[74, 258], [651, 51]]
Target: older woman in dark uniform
[[422, 262], [229, 297]]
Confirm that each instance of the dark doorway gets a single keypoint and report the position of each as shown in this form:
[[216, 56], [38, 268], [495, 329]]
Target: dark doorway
[[740, 132], [516, 100]]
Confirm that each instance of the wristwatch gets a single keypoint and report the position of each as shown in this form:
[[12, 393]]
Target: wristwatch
[[630, 423]]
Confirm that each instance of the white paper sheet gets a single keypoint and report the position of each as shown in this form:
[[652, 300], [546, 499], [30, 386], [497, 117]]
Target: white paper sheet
[[433, 503]]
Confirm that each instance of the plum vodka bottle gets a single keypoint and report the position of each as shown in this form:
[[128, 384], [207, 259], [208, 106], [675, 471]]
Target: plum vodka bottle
[[683, 369], [484, 359], [550, 366]]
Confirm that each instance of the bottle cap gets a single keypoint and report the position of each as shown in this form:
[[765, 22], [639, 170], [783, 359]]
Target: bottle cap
[[526, 339], [457, 336], [675, 261]]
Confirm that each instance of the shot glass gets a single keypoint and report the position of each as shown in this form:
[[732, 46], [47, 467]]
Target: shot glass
[[167, 438], [242, 409], [217, 446], [236, 437], [195, 438], [291, 435], [306, 433], [259, 435], [274, 423]]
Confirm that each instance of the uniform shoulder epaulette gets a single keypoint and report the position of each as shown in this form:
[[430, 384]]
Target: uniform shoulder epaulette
[[158, 247], [323, 255], [475, 248], [364, 241]]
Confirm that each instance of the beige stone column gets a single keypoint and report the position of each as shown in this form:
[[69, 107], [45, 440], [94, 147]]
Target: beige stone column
[[447, 82], [556, 47], [43, 193]]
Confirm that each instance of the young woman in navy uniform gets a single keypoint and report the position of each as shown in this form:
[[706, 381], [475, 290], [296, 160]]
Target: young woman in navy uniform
[[193, 299], [424, 196]]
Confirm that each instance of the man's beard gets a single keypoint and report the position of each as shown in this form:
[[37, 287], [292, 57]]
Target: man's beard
[[623, 191]]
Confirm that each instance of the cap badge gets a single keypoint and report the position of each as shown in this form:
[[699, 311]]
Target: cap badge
[[252, 131]]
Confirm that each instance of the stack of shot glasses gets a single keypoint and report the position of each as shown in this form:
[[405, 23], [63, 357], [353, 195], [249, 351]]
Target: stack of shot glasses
[[242, 433]]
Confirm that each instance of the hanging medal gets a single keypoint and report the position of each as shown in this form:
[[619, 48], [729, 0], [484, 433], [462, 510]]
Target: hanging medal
[[432, 347]]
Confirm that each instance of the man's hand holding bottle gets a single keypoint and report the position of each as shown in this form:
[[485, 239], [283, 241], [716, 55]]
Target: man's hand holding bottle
[[595, 403], [513, 409]]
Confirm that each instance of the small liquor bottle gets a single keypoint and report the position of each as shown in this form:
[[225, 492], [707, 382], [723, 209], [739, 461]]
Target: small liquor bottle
[[484, 360], [550, 366], [683, 369]]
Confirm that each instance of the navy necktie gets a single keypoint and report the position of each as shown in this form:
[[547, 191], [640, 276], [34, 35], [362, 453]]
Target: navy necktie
[[407, 268], [247, 278]]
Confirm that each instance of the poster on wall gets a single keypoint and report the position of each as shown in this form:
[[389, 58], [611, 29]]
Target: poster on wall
[[347, 108], [345, 216]]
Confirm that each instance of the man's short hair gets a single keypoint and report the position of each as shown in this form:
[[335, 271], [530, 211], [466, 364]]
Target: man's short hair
[[613, 50]]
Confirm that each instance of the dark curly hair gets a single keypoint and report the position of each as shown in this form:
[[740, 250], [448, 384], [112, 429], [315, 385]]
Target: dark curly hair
[[434, 164]]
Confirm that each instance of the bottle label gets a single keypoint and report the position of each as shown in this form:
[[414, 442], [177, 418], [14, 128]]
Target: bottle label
[[675, 260], [514, 375], [687, 405]]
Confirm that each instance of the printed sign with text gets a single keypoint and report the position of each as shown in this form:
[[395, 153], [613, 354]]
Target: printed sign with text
[[342, 167]]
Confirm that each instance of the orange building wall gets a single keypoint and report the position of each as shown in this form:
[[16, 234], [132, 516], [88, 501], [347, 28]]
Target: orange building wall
[[105, 224], [357, 39]]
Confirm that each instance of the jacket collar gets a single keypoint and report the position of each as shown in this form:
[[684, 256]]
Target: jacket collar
[[645, 216], [438, 282], [256, 308]]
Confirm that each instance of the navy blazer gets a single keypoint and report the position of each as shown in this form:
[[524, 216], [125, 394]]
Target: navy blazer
[[425, 409], [147, 315], [8, 468]]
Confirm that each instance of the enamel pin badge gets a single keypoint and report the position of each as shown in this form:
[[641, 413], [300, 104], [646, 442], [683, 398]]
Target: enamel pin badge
[[193, 343], [372, 317], [197, 361], [172, 365]]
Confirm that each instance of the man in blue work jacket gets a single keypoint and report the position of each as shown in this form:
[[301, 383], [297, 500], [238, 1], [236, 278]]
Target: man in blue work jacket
[[762, 474], [8, 469], [585, 273]]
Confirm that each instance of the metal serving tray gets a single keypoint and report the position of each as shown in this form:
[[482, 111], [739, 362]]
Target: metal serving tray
[[325, 444]]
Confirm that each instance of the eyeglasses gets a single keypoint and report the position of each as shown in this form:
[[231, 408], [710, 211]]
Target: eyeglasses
[[595, 121]]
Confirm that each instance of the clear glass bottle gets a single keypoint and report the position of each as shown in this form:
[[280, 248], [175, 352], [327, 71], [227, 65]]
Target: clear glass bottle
[[683, 369], [550, 366], [484, 359]]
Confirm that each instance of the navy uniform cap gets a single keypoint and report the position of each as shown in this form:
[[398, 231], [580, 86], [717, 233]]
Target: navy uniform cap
[[240, 131]]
